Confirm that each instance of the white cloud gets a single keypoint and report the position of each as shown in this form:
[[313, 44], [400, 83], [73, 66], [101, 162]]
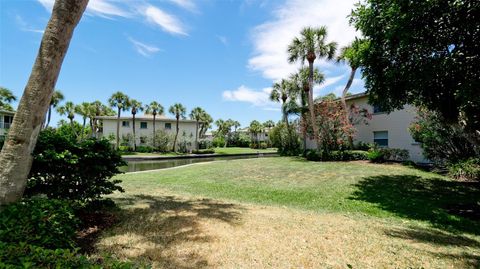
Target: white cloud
[[102, 8], [167, 22], [254, 97], [329, 81], [186, 4], [144, 49], [223, 39], [24, 26], [356, 87], [272, 38]]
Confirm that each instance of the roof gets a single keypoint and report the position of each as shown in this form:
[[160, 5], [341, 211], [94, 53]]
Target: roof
[[356, 96], [143, 117], [7, 112]]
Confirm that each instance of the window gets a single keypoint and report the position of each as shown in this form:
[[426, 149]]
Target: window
[[7, 121], [125, 123], [168, 126], [381, 138], [377, 109], [143, 125]]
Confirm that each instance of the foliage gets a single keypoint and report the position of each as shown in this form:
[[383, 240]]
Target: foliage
[[6, 97], [255, 128], [43, 222], [285, 139], [442, 143], [72, 130], [218, 141], [242, 140], [204, 151], [379, 155], [126, 140], [145, 149], [337, 155], [77, 171], [185, 142], [423, 53], [363, 146], [376, 156], [467, 169], [205, 144], [163, 141]]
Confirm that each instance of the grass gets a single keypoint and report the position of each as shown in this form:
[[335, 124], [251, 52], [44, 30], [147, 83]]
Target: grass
[[316, 215], [229, 150]]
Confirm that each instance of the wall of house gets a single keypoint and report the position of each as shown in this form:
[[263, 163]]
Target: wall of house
[[395, 123], [110, 128], [3, 130]]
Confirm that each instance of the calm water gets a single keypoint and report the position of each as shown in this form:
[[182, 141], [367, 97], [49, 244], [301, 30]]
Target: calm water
[[135, 166]]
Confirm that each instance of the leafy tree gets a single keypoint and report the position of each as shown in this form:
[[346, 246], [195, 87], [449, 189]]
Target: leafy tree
[[69, 109], [269, 124], [286, 141], [255, 128], [135, 106], [423, 53], [197, 115], [6, 97], [309, 46], [179, 111], [280, 93], [205, 124], [154, 109], [84, 110], [120, 101], [57, 97], [98, 109], [224, 129]]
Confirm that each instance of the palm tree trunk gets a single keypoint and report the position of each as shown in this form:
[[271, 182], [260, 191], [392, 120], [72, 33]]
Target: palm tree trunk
[[72, 125], [196, 136], [134, 138], [311, 105], [154, 116], [176, 135], [16, 156], [344, 102], [118, 128], [83, 128]]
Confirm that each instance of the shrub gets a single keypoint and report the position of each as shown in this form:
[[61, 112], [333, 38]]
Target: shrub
[[218, 141], [184, 143], [163, 141], [337, 155], [469, 169], [65, 169], [254, 145], [262, 145], [144, 149], [126, 140], [243, 140], [313, 155], [396, 155], [43, 222], [285, 139], [125, 149], [363, 146], [376, 156], [203, 151], [205, 144]]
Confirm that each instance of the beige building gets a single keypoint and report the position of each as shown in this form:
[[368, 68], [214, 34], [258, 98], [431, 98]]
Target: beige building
[[144, 127], [385, 129], [6, 119]]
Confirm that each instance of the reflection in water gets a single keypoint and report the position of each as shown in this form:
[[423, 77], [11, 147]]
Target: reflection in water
[[135, 166]]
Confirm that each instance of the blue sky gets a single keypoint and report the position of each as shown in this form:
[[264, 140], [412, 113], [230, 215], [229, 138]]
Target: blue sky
[[221, 55]]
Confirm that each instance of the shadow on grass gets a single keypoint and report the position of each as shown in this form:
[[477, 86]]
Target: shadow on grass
[[425, 199], [153, 227]]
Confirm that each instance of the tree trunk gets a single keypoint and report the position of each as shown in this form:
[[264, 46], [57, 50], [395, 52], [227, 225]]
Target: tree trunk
[[118, 127], [16, 156], [176, 135], [154, 116], [196, 136], [134, 138], [72, 125], [344, 102], [83, 128], [311, 105], [49, 116]]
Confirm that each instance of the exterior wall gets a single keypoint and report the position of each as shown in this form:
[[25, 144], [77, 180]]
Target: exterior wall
[[395, 123], [4, 126], [110, 128]]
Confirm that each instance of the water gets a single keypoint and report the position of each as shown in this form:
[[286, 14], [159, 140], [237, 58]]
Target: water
[[145, 165]]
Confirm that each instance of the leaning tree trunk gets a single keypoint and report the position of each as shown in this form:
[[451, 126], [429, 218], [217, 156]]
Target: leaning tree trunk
[[16, 156], [344, 102], [49, 116], [311, 105], [176, 135], [118, 128]]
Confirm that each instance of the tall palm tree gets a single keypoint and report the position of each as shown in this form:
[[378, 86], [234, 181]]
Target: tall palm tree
[[84, 110], [98, 109], [154, 109], [255, 128], [16, 157], [309, 46], [6, 97], [69, 110], [179, 111], [197, 114], [206, 123], [57, 97], [120, 101], [352, 55], [236, 125], [280, 93], [136, 106]]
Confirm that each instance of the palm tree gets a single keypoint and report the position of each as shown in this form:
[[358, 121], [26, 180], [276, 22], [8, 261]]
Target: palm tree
[[98, 109], [352, 55], [236, 125], [16, 157], [84, 110], [269, 124], [6, 97], [57, 97], [122, 102], [154, 109], [255, 128], [178, 110], [311, 45], [206, 123], [69, 110], [280, 93], [197, 114], [136, 106]]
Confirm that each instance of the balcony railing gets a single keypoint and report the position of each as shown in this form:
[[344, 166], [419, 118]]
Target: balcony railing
[[5, 125]]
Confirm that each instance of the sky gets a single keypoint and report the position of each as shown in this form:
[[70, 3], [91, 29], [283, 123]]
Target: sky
[[221, 55]]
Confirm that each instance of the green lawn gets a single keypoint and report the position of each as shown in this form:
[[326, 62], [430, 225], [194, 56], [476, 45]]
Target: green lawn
[[235, 150]]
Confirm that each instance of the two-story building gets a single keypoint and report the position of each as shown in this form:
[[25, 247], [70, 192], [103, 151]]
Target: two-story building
[[6, 119], [144, 127], [385, 129]]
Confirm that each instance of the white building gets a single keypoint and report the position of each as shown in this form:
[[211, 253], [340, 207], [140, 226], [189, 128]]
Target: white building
[[144, 127], [6, 119], [385, 129]]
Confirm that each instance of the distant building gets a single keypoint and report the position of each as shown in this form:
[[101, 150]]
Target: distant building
[[385, 129], [6, 119], [144, 127], [262, 137]]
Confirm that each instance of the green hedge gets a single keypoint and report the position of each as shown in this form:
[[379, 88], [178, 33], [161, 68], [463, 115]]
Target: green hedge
[[337, 155]]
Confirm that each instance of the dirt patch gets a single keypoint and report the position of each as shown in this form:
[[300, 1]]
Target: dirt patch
[[93, 223]]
